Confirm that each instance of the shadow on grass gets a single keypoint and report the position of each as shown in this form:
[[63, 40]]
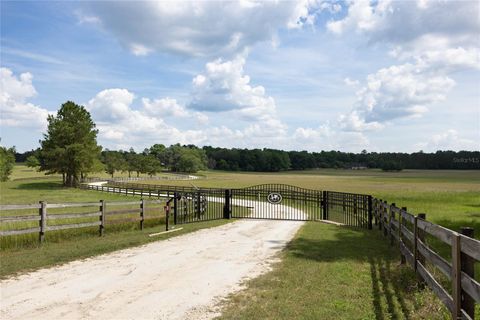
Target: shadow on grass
[[41, 186], [392, 284]]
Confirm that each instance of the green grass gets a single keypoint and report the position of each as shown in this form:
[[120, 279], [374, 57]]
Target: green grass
[[330, 272]]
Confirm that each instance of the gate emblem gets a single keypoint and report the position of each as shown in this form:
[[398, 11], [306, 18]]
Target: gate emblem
[[274, 197]]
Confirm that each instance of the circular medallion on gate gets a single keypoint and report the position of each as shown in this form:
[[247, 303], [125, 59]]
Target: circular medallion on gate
[[274, 197]]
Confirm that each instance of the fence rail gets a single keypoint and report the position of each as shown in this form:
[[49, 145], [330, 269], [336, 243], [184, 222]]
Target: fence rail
[[409, 232], [102, 213]]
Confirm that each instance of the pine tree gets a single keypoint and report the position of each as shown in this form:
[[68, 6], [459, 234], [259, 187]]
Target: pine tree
[[70, 144]]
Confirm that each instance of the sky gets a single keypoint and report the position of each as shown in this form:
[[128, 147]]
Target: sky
[[383, 75]]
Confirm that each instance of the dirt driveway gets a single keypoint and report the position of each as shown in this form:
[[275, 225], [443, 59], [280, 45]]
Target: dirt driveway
[[180, 278]]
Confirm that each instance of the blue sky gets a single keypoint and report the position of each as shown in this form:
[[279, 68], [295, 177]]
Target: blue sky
[[306, 75]]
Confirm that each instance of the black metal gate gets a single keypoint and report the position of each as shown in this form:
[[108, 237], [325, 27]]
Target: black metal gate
[[276, 202]]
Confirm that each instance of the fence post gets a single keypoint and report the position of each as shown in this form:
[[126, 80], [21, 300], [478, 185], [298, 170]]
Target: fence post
[[421, 236], [142, 213], [103, 209], [385, 218], [175, 195], [325, 205], [42, 211], [370, 213], [468, 266], [400, 240], [456, 278], [391, 217], [379, 214], [226, 207], [167, 216]]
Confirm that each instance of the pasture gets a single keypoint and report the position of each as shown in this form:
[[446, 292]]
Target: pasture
[[448, 197], [325, 272]]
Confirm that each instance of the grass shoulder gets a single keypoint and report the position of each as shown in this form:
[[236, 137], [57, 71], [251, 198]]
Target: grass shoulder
[[330, 272]]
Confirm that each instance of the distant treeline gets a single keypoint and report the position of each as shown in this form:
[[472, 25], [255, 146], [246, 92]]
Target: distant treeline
[[191, 158], [277, 160]]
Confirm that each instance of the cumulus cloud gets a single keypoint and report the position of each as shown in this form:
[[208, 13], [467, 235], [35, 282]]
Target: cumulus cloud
[[448, 140], [164, 107], [405, 21], [202, 28], [432, 40], [395, 92], [15, 111], [117, 120], [225, 87]]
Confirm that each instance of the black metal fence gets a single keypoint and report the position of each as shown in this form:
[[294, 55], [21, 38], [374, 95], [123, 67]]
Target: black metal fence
[[349, 208], [198, 205], [267, 201]]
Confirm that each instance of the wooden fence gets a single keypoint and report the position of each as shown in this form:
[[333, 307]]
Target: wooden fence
[[43, 217], [410, 233]]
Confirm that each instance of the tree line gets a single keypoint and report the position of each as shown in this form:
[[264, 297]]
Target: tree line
[[278, 160]]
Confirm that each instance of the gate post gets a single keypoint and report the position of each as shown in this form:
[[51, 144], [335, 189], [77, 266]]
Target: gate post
[[175, 195], [226, 207], [325, 205], [370, 213]]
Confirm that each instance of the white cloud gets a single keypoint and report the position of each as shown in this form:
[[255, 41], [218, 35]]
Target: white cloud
[[164, 107], [111, 105], [361, 17], [395, 92], [326, 137], [405, 21], [204, 28], [448, 140], [432, 40], [118, 121], [225, 87], [15, 111]]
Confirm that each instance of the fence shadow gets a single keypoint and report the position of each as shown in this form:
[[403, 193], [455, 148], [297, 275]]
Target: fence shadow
[[40, 186], [392, 284]]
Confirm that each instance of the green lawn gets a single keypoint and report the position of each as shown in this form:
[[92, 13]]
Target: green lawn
[[330, 272]]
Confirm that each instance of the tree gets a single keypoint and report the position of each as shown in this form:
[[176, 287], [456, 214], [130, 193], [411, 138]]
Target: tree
[[150, 165], [70, 144], [7, 161], [391, 166], [32, 161], [113, 161]]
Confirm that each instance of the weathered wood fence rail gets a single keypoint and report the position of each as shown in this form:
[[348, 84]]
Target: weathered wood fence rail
[[410, 233], [143, 206]]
